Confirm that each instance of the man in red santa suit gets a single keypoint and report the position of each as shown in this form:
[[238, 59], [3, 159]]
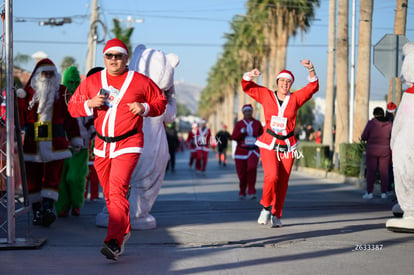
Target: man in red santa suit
[[278, 143], [118, 99], [246, 156], [203, 137], [46, 124], [191, 143]]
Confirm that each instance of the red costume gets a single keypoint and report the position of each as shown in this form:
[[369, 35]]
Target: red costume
[[246, 156], [191, 143], [119, 139], [47, 125], [203, 137], [278, 143]]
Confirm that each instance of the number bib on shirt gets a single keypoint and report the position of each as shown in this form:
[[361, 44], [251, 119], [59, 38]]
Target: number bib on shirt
[[111, 96], [278, 124], [249, 141]]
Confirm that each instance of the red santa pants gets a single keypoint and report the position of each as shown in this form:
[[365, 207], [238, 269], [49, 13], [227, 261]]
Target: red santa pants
[[201, 160], [276, 167], [44, 176], [193, 157], [247, 172], [114, 175]]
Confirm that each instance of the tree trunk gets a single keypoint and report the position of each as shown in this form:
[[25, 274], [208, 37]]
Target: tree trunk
[[399, 28], [342, 54], [364, 64], [330, 78]]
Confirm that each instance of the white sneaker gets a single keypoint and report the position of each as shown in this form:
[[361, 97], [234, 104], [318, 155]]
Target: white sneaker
[[368, 196], [276, 222], [384, 196], [122, 248], [251, 197], [242, 198], [264, 217]]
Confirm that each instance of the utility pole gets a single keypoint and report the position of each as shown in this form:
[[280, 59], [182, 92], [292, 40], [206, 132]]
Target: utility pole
[[92, 37]]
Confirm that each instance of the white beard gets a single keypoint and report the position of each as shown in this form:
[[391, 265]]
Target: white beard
[[46, 94]]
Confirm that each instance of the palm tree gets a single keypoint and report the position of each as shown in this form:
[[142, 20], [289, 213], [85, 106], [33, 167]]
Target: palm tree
[[342, 50], [364, 64], [67, 62], [123, 34], [330, 78]]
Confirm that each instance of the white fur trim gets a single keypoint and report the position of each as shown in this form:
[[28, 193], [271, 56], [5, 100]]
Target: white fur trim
[[118, 49], [50, 194], [21, 93], [246, 77], [284, 75], [76, 142], [88, 111], [47, 154], [147, 109]]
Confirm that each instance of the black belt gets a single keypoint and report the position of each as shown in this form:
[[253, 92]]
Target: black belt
[[270, 132], [118, 138], [249, 147]]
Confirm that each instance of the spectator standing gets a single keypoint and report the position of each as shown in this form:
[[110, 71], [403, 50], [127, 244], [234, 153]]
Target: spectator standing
[[377, 134]]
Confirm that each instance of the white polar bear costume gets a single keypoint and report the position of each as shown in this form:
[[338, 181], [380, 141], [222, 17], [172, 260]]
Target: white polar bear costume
[[402, 145], [149, 173]]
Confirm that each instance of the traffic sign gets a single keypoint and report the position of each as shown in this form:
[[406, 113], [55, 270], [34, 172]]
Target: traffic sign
[[388, 55]]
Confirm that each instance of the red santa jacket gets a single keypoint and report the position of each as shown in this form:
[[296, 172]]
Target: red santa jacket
[[280, 119], [47, 140], [114, 119], [245, 133], [191, 140], [203, 137]]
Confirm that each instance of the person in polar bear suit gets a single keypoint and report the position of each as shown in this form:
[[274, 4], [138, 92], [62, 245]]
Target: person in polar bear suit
[[149, 173], [402, 146]]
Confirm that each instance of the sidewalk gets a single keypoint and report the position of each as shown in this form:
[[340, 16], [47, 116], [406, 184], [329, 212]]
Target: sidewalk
[[203, 228]]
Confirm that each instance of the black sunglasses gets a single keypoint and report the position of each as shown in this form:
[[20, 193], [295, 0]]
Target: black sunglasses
[[118, 56]]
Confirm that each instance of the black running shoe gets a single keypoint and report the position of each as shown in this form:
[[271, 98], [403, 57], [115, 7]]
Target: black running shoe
[[48, 218], [38, 218], [111, 250]]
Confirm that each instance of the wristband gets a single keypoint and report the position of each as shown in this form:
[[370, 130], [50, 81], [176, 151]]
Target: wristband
[[311, 70]]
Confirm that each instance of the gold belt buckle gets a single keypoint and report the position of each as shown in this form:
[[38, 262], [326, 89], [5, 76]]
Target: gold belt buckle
[[43, 131]]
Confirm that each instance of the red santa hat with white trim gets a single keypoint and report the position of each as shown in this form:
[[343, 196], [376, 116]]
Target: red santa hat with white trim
[[285, 74], [391, 107], [247, 107], [42, 66], [115, 45]]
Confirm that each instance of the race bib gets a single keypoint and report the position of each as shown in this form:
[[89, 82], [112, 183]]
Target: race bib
[[278, 124], [111, 96], [249, 141]]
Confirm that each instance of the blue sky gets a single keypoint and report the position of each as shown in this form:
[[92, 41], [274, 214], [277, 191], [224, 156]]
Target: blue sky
[[194, 30]]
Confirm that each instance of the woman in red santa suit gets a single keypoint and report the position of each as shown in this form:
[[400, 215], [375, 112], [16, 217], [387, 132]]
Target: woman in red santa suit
[[278, 143], [202, 147], [246, 156], [118, 99]]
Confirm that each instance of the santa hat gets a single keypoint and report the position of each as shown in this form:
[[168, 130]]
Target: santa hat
[[391, 107], [115, 45], [285, 74], [247, 107], [43, 65]]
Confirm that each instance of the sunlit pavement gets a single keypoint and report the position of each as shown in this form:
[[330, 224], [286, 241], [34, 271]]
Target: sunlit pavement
[[203, 228]]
